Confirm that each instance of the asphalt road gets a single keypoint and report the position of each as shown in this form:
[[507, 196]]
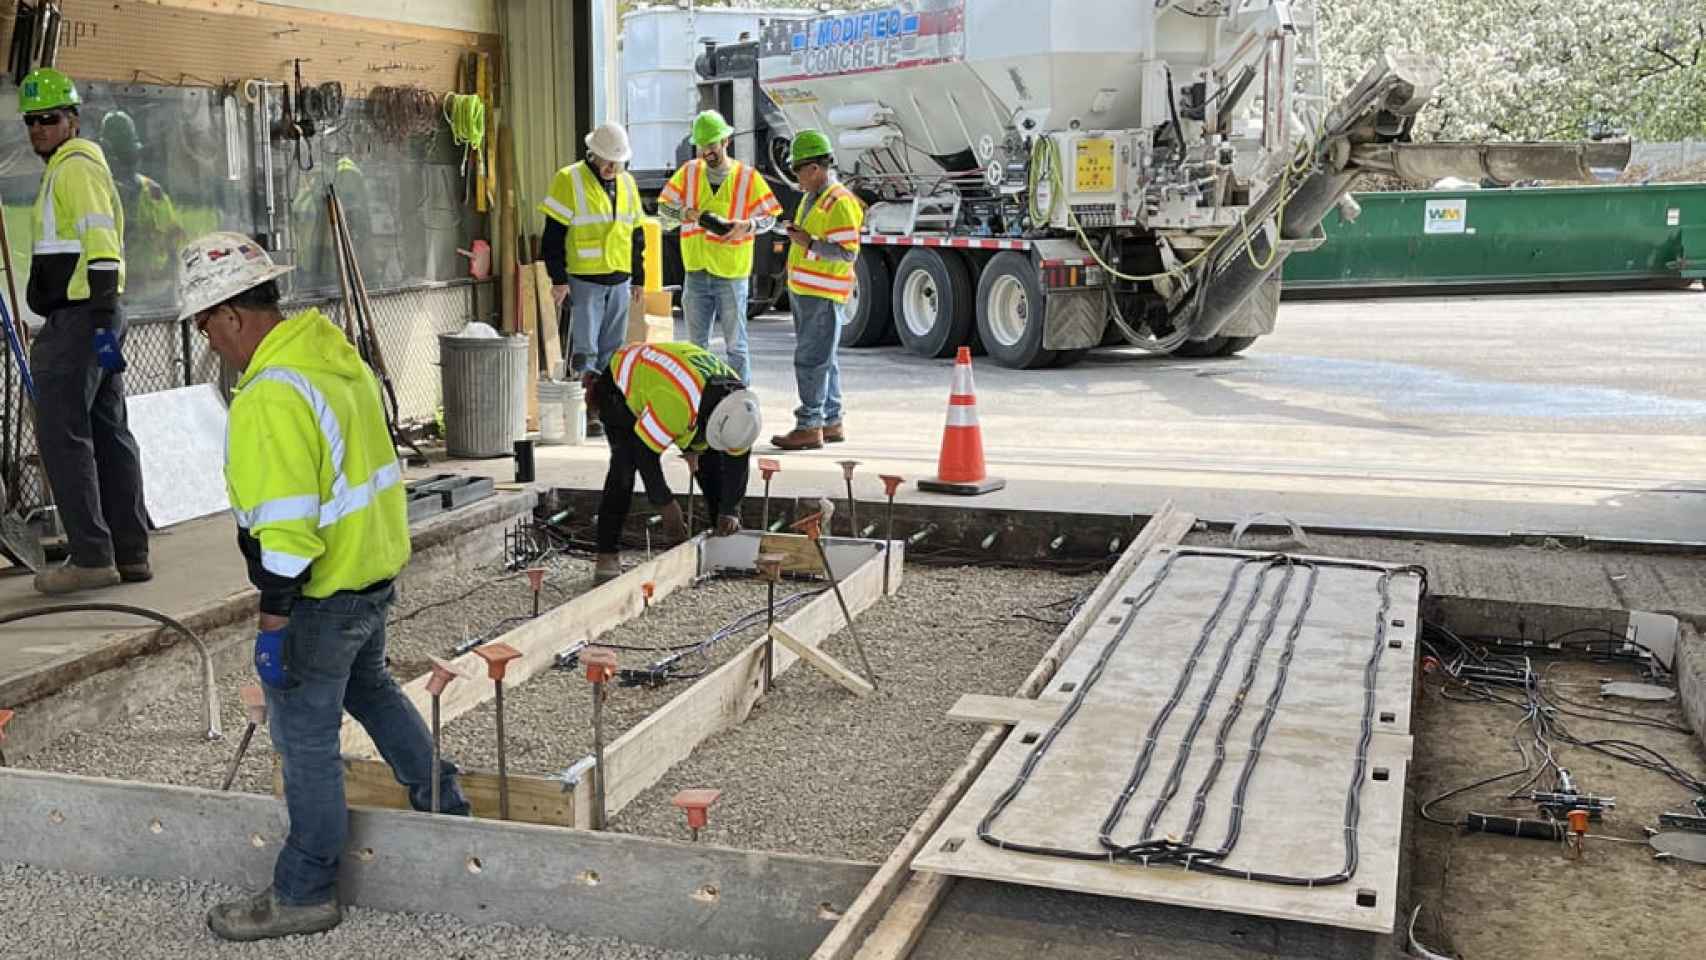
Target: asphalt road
[[1575, 414]]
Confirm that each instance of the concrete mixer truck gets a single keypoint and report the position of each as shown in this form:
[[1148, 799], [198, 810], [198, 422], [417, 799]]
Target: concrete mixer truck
[[1044, 177]]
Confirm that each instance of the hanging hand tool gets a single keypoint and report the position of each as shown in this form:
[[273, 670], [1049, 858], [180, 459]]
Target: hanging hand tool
[[5, 718], [769, 468], [852, 507], [770, 567], [497, 657], [812, 527], [600, 670], [441, 677], [697, 805], [255, 705]]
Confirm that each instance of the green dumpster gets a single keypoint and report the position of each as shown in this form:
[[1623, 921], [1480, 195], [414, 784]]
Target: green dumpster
[[1546, 238]]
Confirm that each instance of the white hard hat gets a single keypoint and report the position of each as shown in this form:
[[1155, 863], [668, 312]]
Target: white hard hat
[[735, 423], [610, 142], [219, 266]]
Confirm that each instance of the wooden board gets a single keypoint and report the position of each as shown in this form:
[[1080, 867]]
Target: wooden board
[[799, 554], [175, 46], [528, 318], [1293, 813], [549, 335], [723, 698], [370, 783], [582, 619], [827, 665], [889, 915]]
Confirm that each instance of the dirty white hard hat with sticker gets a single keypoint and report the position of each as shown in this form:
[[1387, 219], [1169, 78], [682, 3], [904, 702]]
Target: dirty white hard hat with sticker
[[219, 266]]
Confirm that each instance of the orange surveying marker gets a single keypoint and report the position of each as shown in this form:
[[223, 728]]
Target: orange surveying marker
[[960, 468]]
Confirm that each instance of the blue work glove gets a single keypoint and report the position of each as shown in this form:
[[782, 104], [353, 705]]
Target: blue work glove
[[269, 659], [107, 352]]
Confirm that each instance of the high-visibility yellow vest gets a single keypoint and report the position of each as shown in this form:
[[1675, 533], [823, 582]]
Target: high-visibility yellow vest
[[601, 240], [836, 217], [78, 214], [309, 463], [743, 195], [664, 385]]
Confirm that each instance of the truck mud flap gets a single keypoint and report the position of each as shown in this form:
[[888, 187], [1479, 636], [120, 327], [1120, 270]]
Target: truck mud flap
[[1075, 320]]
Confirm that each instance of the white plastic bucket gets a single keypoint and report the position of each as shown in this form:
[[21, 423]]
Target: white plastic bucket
[[574, 413], [553, 428]]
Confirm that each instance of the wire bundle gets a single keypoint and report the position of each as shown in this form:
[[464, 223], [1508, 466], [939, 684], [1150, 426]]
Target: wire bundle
[[399, 113], [466, 114]]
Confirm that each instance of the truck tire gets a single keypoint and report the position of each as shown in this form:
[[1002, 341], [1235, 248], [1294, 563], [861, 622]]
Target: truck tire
[[1234, 345], [1201, 348], [1066, 358], [1010, 310], [869, 322], [933, 307]]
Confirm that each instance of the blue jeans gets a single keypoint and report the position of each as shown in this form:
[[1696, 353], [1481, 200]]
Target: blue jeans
[[335, 652], [598, 324], [707, 299], [817, 371]]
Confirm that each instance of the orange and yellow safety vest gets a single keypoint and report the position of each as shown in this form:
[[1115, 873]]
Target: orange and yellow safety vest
[[664, 384], [836, 216], [743, 195]]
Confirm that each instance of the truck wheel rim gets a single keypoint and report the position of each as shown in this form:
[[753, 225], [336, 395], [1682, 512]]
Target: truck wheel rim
[[921, 302], [851, 309], [1009, 311]]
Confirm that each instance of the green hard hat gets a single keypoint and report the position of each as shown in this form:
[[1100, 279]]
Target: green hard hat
[[710, 127], [45, 88], [118, 136], [809, 145]]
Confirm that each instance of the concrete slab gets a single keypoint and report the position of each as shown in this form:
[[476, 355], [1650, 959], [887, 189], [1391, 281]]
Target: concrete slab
[[692, 897]]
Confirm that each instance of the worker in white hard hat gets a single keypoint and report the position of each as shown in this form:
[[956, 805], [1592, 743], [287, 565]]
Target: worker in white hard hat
[[720, 204], [657, 395], [318, 495], [591, 249]]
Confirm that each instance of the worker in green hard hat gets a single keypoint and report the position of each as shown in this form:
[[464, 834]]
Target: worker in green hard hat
[[154, 231], [720, 204], [76, 279], [825, 245]]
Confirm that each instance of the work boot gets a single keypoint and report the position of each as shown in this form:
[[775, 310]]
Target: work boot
[[833, 433], [262, 917], [70, 578], [138, 572], [800, 438], [608, 568]]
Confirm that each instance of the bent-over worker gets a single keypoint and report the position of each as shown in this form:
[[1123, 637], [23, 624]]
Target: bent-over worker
[[654, 396], [318, 494]]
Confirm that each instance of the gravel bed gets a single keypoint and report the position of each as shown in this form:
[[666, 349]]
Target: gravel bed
[[87, 917], [548, 719], [816, 770], [163, 743]]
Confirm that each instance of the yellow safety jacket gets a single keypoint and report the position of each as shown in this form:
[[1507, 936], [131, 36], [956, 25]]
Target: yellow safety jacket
[[743, 195], [313, 476], [600, 239], [156, 235], [77, 219], [836, 216], [664, 386]]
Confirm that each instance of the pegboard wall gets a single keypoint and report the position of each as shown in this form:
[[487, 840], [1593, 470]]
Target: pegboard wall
[[138, 42]]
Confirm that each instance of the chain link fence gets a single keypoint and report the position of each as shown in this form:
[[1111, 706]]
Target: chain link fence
[[160, 356]]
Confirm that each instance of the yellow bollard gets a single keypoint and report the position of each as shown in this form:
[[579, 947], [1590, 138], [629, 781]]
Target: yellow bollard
[[654, 254]]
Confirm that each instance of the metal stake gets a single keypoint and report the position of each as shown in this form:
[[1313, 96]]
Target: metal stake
[[497, 657], [891, 484], [770, 565], [600, 669], [255, 705], [690, 479], [769, 468], [852, 508], [441, 677]]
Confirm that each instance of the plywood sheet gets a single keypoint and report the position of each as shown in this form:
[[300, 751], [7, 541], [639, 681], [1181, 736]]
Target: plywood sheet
[[181, 434], [1292, 819]]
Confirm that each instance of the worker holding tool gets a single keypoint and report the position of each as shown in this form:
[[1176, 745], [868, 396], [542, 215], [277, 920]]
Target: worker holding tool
[[76, 279], [654, 396], [720, 204], [153, 230], [318, 494], [590, 248], [825, 235]]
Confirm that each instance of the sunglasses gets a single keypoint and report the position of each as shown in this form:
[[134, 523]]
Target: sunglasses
[[42, 119], [807, 166], [201, 321]]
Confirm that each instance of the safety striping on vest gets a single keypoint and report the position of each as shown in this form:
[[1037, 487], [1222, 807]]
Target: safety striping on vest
[[655, 431], [556, 206], [663, 363], [95, 221], [282, 510], [820, 281], [284, 564]]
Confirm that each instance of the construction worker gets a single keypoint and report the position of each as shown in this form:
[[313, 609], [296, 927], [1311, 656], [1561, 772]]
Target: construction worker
[[720, 204], [153, 230], [76, 279], [318, 495], [590, 248], [825, 235], [658, 395]]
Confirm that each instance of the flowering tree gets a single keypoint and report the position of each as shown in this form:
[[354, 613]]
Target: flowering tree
[[1530, 70]]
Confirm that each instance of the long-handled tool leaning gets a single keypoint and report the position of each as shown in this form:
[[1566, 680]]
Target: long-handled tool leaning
[[255, 706], [813, 527]]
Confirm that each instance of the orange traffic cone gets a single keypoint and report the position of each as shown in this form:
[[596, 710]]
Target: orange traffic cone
[[960, 468]]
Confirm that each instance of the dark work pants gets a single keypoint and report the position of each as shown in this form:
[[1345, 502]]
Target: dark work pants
[[629, 455], [90, 458]]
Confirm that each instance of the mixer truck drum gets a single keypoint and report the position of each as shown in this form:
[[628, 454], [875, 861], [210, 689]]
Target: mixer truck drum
[[714, 224]]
